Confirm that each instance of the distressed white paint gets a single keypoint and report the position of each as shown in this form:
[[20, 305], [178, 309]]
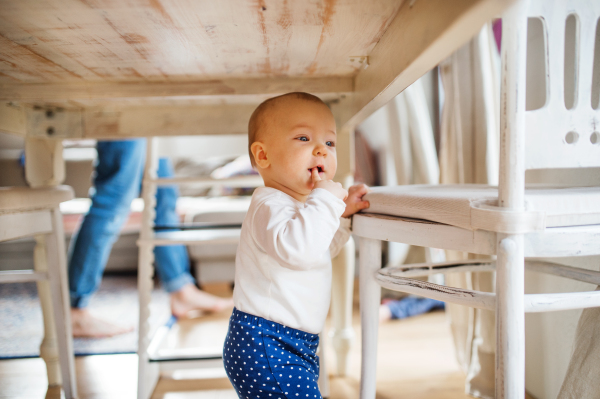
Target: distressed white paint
[[148, 372], [44, 163], [423, 233], [342, 290], [37, 214], [24, 224], [551, 123], [370, 296], [519, 235]]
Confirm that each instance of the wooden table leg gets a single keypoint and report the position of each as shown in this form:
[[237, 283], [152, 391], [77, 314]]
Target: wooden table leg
[[44, 163], [370, 297], [323, 373], [342, 291]]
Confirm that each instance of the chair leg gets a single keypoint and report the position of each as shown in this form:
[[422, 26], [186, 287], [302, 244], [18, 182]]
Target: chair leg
[[148, 373], [510, 318], [370, 297], [49, 345], [323, 374], [342, 333], [57, 275]]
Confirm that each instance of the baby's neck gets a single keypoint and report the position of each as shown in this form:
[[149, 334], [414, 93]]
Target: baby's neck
[[282, 187]]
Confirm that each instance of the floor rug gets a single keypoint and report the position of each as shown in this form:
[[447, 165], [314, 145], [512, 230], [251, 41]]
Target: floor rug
[[21, 324]]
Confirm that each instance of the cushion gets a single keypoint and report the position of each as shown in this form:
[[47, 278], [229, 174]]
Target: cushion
[[452, 204], [25, 198]]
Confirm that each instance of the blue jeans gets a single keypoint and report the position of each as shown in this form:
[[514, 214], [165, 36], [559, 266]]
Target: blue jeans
[[413, 306], [117, 182]]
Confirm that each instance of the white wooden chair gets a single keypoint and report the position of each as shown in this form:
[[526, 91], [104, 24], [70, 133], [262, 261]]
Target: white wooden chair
[[512, 222], [26, 212]]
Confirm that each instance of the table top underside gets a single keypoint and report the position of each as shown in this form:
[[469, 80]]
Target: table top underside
[[110, 55]]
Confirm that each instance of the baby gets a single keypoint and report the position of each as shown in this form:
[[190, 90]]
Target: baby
[[294, 226]]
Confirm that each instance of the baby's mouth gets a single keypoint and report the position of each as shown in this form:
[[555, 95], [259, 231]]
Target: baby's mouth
[[320, 169]]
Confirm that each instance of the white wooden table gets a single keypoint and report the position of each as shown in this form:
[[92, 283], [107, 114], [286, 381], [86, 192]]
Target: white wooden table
[[81, 69]]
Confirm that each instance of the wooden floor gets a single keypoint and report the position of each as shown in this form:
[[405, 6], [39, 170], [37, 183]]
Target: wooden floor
[[416, 361]]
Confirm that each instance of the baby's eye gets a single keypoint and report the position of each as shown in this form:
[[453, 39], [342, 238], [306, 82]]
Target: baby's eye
[[303, 138], [330, 144]]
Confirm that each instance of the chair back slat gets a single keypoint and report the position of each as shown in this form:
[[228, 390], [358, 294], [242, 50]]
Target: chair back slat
[[555, 136]]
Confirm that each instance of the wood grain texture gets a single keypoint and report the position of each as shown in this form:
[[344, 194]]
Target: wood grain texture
[[24, 224], [342, 290], [179, 40], [552, 123], [422, 34], [167, 121], [12, 119], [423, 233], [370, 299], [214, 87]]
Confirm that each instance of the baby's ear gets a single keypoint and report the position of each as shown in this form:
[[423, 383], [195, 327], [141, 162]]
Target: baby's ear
[[259, 151]]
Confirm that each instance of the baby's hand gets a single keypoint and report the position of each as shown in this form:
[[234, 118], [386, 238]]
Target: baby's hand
[[354, 202], [329, 185]]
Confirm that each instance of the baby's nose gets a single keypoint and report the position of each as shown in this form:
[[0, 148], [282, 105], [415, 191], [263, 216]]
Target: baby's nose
[[320, 150]]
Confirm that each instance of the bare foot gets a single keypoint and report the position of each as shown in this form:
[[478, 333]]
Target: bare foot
[[384, 313], [190, 298], [85, 325]]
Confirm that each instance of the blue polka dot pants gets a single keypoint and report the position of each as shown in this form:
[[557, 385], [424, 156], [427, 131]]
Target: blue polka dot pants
[[264, 359]]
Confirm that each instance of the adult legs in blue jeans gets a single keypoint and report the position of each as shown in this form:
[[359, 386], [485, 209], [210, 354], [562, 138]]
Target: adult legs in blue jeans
[[117, 182]]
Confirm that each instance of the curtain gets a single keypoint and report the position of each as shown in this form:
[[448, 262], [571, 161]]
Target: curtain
[[469, 154]]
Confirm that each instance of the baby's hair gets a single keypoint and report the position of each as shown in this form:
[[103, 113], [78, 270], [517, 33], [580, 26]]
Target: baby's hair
[[257, 122]]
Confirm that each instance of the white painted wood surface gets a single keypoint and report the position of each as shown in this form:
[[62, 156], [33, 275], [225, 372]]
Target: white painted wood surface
[[343, 267], [179, 41], [436, 29], [370, 297], [138, 89], [44, 164], [552, 123], [552, 242], [169, 49], [21, 276], [61, 308], [423, 233], [265, 49], [49, 346], [482, 265], [342, 293], [402, 278], [510, 318], [148, 372], [519, 237], [573, 273], [41, 218], [24, 224], [510, 283], [12, 119], [323, 381]]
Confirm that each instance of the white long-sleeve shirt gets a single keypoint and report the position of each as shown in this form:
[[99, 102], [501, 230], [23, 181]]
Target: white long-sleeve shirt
[[283, 261]]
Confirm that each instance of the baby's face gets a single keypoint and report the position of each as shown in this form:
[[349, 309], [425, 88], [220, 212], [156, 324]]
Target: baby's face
[[301, 136]]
